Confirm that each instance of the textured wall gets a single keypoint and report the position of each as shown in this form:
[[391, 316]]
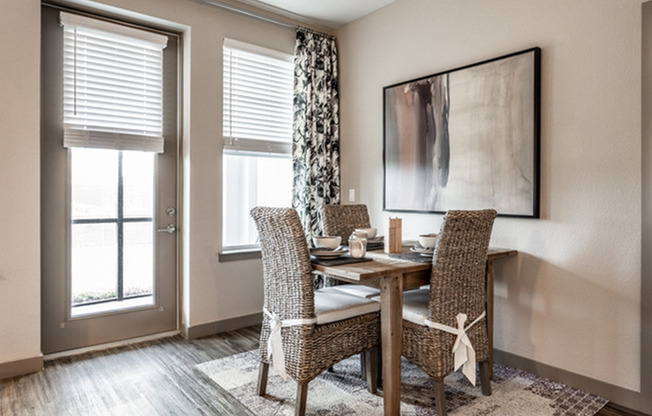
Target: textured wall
[[571, 299]]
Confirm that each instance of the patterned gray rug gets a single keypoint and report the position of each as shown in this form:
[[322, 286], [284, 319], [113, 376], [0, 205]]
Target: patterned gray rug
[[514, 392]]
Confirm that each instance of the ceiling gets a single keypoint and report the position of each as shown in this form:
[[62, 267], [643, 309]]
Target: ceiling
[[327, 13]]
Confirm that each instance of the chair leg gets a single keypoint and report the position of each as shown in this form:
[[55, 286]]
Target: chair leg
[[262, 378], [485, 377], [363, 364], [302, 396], [440, 398], [371, 369]]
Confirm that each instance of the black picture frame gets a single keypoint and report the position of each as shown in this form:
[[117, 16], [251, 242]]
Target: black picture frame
[[466, 138]]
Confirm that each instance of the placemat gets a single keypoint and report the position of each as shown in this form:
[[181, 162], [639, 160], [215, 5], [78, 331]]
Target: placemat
[[416, 257], [346, 259]]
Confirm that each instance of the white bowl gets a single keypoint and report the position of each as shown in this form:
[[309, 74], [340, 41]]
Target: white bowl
[[371, 232], [428, 240], [327, 241]]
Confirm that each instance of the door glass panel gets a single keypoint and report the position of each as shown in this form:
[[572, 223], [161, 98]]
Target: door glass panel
[[94, 263], [138, 182], [94, 183], [138, 259], [112, 235]]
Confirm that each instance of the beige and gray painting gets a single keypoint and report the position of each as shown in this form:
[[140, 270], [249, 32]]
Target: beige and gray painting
[[463, 140]]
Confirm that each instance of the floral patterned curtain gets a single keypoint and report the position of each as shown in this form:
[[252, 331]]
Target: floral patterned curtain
[[316, 138]]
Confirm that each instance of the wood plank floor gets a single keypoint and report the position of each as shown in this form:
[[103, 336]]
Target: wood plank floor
[[151, 378]]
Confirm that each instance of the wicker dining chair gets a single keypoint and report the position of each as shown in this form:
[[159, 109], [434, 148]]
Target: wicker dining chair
[[432, 318], [342, 220], [306, 331]]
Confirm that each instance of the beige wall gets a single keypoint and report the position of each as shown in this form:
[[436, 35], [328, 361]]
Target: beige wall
[[646, 243], [571, 299], [19, 181]]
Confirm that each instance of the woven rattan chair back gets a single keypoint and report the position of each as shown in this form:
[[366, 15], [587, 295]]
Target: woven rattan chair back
[[308, 348], [342, 220], [457, 281], [457, 285], [288, 281]]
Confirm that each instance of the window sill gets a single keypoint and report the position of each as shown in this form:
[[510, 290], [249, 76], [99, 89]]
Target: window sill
[[237, 255]]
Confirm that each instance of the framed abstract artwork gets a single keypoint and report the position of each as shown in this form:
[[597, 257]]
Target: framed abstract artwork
[[467, 138]]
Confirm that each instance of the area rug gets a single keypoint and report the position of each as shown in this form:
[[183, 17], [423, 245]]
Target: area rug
[[342, 392]]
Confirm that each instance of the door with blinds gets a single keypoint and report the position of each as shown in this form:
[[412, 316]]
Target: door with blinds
[[108, 179]]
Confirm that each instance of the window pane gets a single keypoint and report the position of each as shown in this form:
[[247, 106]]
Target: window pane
[[138, 268], [94, 262], [94, 183], [250, 181], [138, 182]]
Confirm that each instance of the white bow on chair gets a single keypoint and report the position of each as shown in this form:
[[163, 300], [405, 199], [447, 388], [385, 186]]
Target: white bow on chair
[[275, 340], [462, 348]]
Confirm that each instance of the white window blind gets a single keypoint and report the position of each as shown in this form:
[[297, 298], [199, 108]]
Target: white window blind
[[258, 87], [113, 85]]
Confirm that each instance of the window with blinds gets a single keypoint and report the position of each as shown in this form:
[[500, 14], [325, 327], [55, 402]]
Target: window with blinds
[[258, 88], [113, 85], [257, 132]]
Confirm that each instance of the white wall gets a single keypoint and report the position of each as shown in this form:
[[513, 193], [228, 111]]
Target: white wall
[[571, 299], [19, 181]]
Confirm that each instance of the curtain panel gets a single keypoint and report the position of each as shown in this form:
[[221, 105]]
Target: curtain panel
[[316, 136]]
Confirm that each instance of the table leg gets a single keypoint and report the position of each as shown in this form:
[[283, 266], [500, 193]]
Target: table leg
[[490, 314], [391, 320]]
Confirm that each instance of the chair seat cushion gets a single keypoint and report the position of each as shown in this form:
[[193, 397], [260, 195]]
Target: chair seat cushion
[[415, 305], [355, 290], [333, 306]]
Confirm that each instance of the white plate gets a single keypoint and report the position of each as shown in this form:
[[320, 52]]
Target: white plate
[[327, 254], [425, 252], [378, 239]]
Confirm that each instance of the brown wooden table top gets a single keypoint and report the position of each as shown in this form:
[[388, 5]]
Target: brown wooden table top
[[383, 264], [372, 269]]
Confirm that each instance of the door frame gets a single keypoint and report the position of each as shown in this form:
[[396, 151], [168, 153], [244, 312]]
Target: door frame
[[57, 215]]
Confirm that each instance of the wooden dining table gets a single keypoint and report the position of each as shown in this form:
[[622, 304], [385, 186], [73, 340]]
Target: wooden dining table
[[392, 276]]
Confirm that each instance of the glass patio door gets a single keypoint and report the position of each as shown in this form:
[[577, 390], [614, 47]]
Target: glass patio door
[[109, 215]]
